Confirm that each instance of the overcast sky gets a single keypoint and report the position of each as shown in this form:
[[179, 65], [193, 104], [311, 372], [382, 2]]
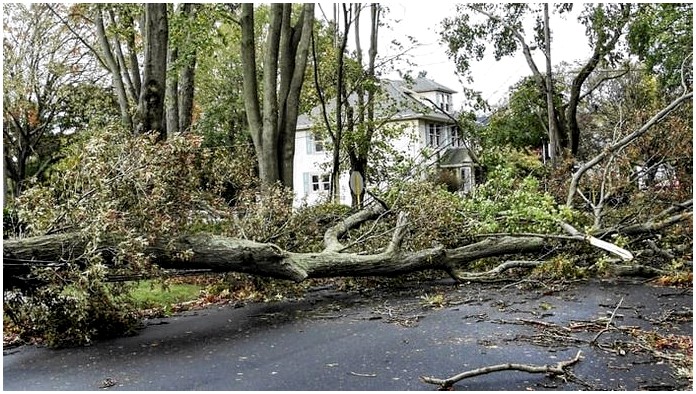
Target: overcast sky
[[422, 20]]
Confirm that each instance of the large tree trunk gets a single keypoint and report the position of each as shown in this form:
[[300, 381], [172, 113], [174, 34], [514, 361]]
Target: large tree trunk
[[223, 254], [187, 75], [151, 104], [273, 126], [358, 152], [171, 98], [554, 132], [186, 91]]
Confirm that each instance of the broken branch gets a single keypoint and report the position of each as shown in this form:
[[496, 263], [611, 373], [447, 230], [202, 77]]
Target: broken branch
[[557, 369]]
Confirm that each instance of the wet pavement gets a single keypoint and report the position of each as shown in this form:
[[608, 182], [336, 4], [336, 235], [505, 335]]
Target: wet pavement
[[386, 340]]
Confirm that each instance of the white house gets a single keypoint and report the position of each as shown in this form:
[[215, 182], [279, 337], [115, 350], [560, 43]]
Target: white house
[[426, 136]]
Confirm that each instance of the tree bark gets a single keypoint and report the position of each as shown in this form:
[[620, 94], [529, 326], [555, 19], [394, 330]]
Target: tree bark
[[554, 132], [171, 98], [252, 105], [151, 103], [359, 151], [273, 124], [187, 75], [223, 254], [301, 37], [119, 86]]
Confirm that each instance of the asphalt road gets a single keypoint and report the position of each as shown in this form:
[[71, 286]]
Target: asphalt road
[[381, 341]]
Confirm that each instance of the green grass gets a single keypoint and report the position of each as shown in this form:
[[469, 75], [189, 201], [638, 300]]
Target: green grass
[[149, 294]]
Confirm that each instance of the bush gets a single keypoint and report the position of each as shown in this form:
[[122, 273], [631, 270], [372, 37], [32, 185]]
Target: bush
[[60, 315]]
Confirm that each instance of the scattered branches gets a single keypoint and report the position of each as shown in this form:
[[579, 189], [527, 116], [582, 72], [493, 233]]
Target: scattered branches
[[622, 143]]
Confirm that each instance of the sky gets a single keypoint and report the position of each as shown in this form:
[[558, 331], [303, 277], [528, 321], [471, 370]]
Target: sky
[[422, 20]]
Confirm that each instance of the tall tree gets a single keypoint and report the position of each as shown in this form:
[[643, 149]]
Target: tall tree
[[181, 60], [503, 26], [273, 121], [115, 67], [44, 66], [359, 148], [151, 102]]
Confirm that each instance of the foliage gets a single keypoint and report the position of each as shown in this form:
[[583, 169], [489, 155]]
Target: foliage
[[521, 122], [662, 37], [112, 185], [512, 198], [559, 267], [44, 72], [439, 222], [61, 315], [219, 98]]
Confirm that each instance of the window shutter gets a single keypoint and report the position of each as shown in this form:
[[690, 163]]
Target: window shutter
[[305, 177], [310, 144]]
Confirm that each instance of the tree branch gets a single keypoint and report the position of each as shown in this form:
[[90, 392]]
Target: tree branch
[[657, 118], [556, 369]]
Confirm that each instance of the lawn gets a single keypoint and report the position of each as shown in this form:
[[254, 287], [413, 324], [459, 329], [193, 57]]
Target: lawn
[[150, 294]]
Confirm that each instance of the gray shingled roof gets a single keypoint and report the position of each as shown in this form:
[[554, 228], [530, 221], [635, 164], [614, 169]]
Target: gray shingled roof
[[395, 102], [422, 85]]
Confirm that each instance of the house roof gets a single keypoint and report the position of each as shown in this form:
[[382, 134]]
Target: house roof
[[395, 102], [454, 157], [422, 85]]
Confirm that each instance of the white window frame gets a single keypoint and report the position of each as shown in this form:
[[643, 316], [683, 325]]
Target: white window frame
[[316, 182], [455, 141], [466, 175], [315, 145], [434, 135]]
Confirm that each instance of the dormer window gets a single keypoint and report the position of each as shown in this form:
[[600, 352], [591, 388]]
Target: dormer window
[[444, 101]]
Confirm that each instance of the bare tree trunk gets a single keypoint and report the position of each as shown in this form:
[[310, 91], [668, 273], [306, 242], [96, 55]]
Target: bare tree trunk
[[151, 103], [273, 125], [187, 76], [186, 92], [133, 56], [554, 132], [301, 36], [341, 103], [251, 98], [119, 86], [171, 99], [359, 151]]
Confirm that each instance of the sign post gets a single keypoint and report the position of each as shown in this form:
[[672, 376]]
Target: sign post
[[357, 185]]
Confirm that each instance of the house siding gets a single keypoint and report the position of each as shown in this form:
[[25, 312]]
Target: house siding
[[411, 141]]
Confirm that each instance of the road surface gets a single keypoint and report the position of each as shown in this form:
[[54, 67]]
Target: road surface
[[384, 340]]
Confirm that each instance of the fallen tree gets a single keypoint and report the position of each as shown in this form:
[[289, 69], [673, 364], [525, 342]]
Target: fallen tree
[[224, 254]]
